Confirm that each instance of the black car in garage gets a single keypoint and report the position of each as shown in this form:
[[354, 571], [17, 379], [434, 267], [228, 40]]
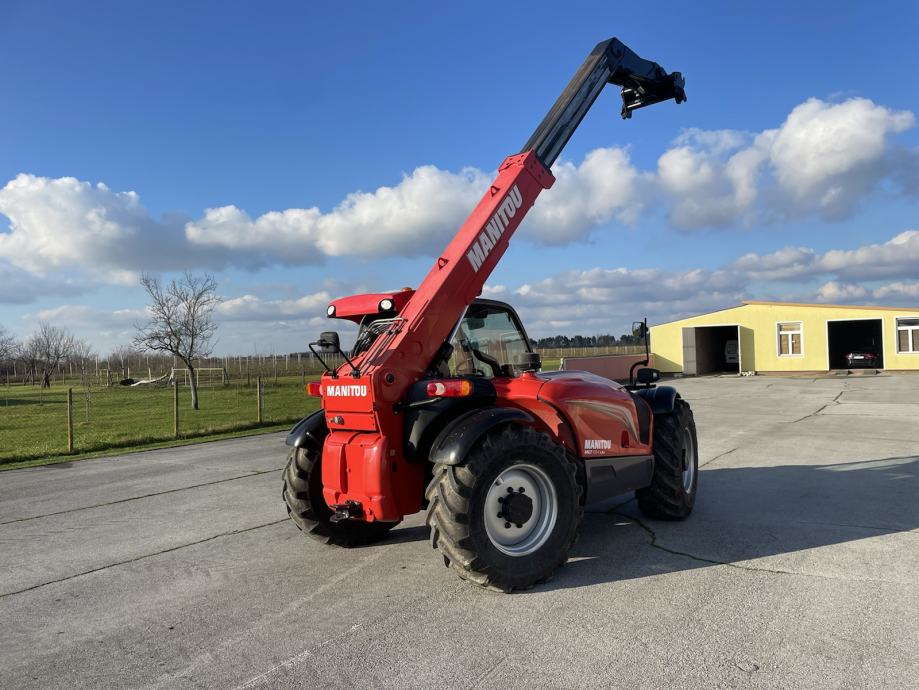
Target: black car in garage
[[863, 357]]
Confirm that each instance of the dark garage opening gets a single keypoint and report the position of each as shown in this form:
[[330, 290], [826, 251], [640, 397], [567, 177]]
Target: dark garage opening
[[713, 356], [844, 337]]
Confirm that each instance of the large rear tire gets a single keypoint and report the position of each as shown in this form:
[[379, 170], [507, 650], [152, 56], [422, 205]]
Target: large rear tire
[[306, 506], [672, 493], [507, 516]]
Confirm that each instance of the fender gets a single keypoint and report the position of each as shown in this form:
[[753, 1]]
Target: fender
[[662, 399], [460, 435], [309, 431]]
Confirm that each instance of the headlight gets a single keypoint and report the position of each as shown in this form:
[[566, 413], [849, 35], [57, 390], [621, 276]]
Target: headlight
[[330, 311], [386, 305]]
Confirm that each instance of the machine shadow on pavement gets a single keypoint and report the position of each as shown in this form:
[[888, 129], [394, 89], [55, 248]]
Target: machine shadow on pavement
[[748, 513], [742, 514]]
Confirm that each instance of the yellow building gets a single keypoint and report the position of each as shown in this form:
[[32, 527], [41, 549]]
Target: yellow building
[[787, 337]]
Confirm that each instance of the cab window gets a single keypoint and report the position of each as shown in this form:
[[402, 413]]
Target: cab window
[[488, 336]]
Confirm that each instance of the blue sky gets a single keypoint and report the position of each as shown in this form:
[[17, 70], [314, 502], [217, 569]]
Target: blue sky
[[798, 145]]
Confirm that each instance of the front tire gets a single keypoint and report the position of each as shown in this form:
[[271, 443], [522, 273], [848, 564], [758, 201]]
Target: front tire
[[306, 505], [507, 516], [672, 493]]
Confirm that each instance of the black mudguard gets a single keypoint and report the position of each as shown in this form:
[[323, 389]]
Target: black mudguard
[[309, 431], [460, 435], [661, 398]]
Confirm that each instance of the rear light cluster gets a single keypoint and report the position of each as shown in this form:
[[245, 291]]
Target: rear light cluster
[[313, 390], [449, 388]]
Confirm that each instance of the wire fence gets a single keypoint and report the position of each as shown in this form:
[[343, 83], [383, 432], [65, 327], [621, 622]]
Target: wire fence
[[228, 369], [36, 422], [88, 409]]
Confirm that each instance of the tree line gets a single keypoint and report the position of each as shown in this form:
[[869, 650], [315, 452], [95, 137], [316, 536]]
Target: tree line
[[586, 340], [38, 358], [179, 325]]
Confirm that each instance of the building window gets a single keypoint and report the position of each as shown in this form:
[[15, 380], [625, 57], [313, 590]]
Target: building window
[[907, 335], [790, 338]]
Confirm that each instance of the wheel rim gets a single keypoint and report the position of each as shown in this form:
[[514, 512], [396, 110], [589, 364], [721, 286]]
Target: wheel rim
[[689, 460], [532, 532]]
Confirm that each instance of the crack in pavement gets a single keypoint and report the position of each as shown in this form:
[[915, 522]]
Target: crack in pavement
[[736, 566], [718, 457], [822, 408], [3, 595], [253, 473]]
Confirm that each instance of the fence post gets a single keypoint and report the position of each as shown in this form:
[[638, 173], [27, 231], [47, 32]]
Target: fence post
[[70, 420], [175, 407], [258, 397]]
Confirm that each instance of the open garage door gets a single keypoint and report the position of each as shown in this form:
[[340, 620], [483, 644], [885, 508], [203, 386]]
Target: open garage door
[[861, 338], [711, 350]]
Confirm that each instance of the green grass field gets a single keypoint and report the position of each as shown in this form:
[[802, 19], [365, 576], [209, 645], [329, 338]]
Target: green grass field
[[33, 424]]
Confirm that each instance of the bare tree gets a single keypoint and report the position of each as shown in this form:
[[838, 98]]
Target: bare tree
[[27, 354], [82, 355], [125, 355], [8, 350], [7, 345], [181, 320], [52, 345]]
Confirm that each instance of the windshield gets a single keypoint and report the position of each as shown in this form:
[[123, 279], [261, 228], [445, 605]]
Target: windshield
[[489, 337]]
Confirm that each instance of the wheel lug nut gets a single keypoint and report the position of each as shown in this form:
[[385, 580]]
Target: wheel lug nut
[[521, 489], [510, 489], [501, 499], [519, 526], [507, 525], [500, 515]]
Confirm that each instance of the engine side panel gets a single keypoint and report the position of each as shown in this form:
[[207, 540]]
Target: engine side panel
[[602, 413]]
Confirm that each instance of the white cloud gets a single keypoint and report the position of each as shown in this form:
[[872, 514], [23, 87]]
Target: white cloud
[[605, 186], [708, 178], [898, 257], [899, 291], [826, 156], [841, 293], [889, 294], [252, 308], [64, 222], [604, 300], [415, 217], [785, 264], [824, 159]]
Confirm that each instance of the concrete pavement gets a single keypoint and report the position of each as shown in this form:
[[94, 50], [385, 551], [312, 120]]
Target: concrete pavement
[[178, 568]]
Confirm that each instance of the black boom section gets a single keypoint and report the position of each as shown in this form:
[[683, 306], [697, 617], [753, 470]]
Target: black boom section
[[611, 62]]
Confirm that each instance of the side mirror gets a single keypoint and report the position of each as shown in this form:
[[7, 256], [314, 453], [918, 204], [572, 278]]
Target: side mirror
[[646, 376], [639, 329], [329, 342]]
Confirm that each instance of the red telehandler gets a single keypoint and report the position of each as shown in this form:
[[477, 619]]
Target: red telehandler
[[441, 404]]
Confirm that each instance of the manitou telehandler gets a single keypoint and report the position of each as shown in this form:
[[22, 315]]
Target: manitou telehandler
[[441, 403]]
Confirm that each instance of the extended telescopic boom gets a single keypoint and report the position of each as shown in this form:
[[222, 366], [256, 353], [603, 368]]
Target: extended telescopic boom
[[365, 473], [458, 275]]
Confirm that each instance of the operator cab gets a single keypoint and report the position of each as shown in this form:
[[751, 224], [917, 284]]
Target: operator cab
[[490, 342]]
